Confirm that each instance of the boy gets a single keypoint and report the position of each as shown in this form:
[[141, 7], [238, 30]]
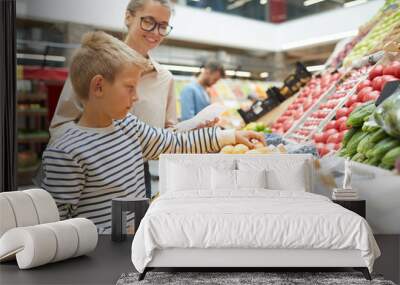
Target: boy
[[101, 156]]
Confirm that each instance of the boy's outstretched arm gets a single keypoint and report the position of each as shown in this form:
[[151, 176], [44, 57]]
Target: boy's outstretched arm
[[157, 141]]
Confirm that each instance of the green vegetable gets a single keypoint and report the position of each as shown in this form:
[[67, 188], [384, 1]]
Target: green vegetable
[[362, 147], [369, 153], [370, 125], [373, 161], [354, 141], [356, 118], [358, 157], [378, 136], [384, 146], [348, 136], [390, 157], [342, 152], [387, 115]]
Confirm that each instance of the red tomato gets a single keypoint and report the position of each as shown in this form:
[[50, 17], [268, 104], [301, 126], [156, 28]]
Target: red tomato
[[318, 138], [390, 70], [372, 96], [341, 134], [396, 66], [375, 72], [362, 84], [323, 150], [288, 113], [287, 125], [341, 112], [363, 93], [335, 138], [327, 134], [351, 101], [337, 146], [330, 125], [377, 83], [343, 127], [339, 122], [282, 119]]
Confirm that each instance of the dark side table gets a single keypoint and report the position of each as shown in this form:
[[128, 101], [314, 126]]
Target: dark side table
[[118, 215], [356, 206]]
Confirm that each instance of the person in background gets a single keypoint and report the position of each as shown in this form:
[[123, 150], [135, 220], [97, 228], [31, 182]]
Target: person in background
[[194, 96], [100, 157], [147, 22]]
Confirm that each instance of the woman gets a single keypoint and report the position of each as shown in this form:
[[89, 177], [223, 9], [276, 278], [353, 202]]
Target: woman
[[148, 24]]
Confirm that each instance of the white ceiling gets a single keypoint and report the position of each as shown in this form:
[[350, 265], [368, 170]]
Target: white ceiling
[[200, 26]]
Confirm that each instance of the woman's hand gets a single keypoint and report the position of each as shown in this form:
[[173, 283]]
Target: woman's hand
[[208, 124], [247, 137]]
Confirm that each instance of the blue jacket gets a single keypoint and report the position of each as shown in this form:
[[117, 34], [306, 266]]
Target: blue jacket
[[194, 98]]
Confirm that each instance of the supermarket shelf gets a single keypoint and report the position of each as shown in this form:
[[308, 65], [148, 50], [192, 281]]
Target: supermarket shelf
[[275, 113], [311, 110], [39, 112], [31, 96]]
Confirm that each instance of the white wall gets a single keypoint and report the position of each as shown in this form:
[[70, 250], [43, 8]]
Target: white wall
[[326, 25], [197, 25]]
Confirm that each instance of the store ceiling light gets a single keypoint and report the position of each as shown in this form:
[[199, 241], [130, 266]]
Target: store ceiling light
[[245, 74], [314, 68], [230, 72], [264, 74], [354, 3], [312, 2], [238, 73], [182, 68], [41, 57], [263, 2], [319, 40]]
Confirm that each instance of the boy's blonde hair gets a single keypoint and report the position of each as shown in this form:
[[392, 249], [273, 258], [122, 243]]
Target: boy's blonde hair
[[101, 54]]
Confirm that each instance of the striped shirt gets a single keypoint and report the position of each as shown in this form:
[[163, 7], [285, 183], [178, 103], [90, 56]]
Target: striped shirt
[[86, 167]]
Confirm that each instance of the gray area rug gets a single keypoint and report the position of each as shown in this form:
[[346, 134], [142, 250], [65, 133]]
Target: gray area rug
[[243, 278]]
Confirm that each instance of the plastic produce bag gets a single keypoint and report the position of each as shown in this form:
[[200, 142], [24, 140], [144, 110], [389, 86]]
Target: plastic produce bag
[[291, 147], [387, 115]]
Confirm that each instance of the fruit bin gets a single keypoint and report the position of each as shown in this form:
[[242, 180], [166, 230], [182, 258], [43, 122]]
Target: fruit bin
[[325, 108], [306, 98], [366, 91]]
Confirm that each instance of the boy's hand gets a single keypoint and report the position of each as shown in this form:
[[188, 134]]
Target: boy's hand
[[246, 137]]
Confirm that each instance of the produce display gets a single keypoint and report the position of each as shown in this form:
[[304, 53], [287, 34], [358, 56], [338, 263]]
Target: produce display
[[374, 145], [257, 127], [307, 97], [350, 115], [336, 112], [259, 149], [233, 93], [345, 115], [326, 108], [384, 30]]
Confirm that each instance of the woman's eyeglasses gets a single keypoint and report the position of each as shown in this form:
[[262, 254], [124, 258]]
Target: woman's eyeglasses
[[148, 24]]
